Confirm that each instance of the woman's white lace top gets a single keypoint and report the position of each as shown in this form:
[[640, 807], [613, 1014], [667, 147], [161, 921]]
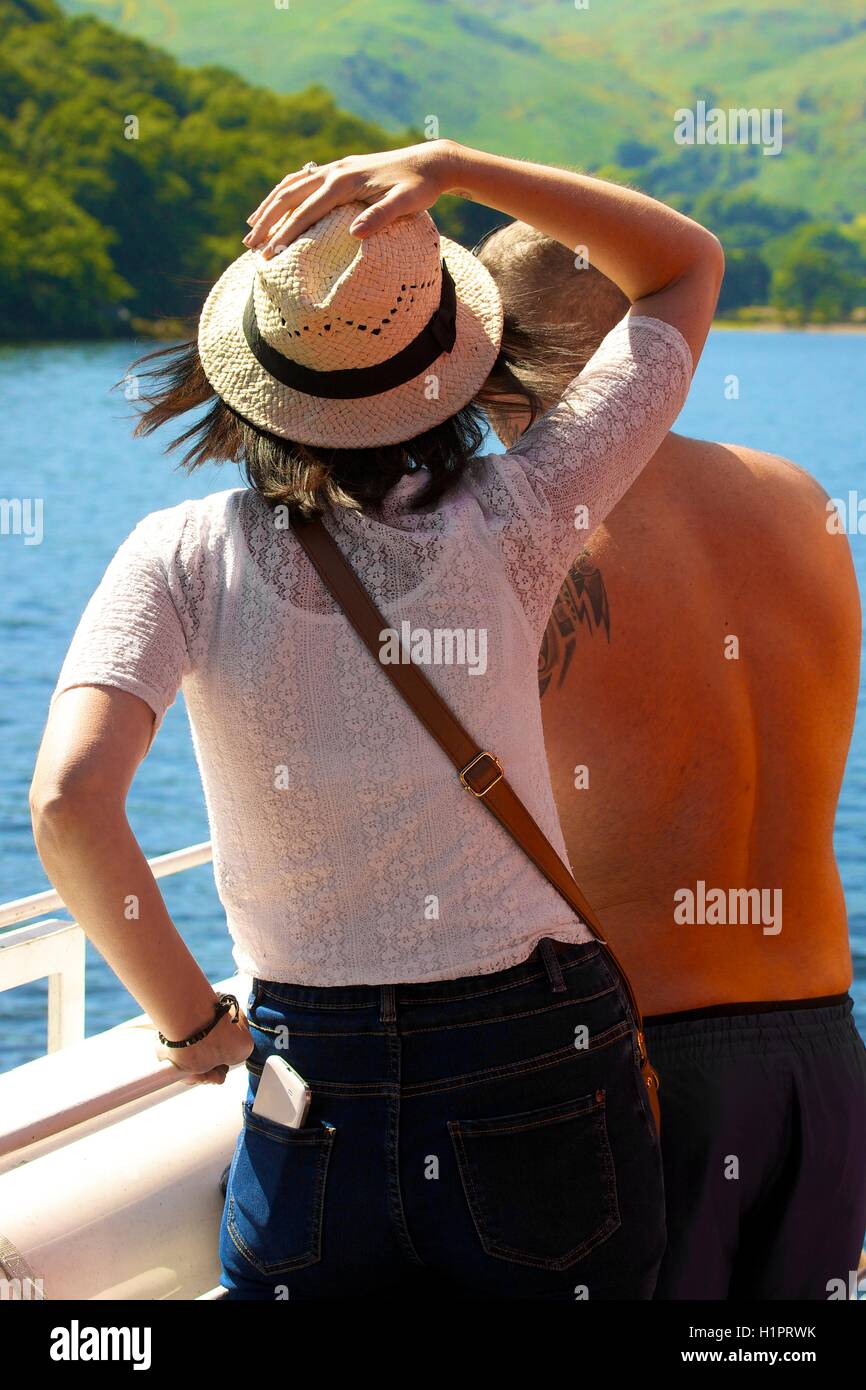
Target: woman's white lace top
[[345, 849]]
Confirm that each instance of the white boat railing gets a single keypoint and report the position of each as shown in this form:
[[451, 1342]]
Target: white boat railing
[[56, 949]]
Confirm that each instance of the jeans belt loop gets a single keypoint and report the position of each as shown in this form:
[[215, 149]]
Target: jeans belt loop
[[552, 965], [387, 1007]]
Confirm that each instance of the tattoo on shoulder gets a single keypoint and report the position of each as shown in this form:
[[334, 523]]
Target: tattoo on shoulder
[[581, 602]]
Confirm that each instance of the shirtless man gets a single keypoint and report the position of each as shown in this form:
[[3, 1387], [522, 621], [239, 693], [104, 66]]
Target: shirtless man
[[699, 678]]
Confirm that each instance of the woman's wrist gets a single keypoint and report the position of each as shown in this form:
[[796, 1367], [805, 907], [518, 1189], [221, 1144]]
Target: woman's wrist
[[458, 163], [224, 1004], [225, 1045], [189, 1015], [209, 1046]]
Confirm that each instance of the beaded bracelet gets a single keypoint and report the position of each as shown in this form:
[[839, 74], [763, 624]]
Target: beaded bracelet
[[225, 1003]]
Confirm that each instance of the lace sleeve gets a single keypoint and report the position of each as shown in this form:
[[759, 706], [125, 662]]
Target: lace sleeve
[[130, 634], [568, 471]]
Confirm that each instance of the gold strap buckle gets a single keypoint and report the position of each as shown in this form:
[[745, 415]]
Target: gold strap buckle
[[482, 791]]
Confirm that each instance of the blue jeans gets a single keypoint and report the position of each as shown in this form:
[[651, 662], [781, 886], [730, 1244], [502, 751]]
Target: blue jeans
[[485, 1137]]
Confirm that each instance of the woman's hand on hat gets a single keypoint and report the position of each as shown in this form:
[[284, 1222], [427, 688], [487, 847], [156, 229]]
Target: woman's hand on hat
[[395, 184]]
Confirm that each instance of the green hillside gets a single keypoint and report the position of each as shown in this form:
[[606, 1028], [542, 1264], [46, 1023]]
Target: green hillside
[[125, 178], [542, 79]]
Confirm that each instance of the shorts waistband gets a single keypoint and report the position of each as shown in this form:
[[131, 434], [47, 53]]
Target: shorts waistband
[[753, 1027], [763, 1006]]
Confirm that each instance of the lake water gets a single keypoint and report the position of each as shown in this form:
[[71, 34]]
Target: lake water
[[66, 439]]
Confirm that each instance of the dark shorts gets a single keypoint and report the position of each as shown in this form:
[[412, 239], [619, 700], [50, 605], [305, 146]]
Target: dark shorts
[[486, 1137], [764, 1149]]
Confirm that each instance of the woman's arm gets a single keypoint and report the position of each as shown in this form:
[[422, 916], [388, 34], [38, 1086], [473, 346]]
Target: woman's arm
[[94, 740], [669, 266]]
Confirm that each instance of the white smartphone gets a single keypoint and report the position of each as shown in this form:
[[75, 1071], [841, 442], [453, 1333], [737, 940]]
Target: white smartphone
[[282, 1095]]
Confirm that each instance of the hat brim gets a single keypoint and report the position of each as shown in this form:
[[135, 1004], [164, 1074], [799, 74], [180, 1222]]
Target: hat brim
[[392, 417]]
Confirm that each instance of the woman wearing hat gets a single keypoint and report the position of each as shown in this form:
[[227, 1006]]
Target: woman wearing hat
[[477, 1111]]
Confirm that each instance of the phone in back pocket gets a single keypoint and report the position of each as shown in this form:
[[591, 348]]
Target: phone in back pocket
[[282, 1094]]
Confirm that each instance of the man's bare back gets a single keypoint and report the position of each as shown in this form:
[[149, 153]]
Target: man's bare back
[[709, 760]]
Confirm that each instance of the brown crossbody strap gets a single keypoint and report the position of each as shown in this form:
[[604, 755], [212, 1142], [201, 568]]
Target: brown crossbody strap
[[480, 771]]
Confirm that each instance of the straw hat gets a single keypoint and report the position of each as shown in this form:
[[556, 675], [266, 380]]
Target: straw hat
[[349, 342]]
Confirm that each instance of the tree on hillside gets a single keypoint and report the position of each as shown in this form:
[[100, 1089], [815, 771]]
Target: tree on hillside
[[746, 281], [57, 279], [743, 218], [820, 275], [127, 177]]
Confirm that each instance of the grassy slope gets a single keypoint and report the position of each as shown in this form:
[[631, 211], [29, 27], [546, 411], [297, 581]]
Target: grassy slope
[[804, 58], [403, 60], [541, 79]]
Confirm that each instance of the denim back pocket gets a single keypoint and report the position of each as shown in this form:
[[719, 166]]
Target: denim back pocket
[[276, 1193], [540, 1185]]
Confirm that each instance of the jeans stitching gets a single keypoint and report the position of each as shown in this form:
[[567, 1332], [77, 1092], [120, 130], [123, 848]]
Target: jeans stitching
[[353, 1089], [373, 1001], [507, 1018], [447, 1027], [550, 1115], [301, 1139], [322, 1032], [498, 1249], [552, 965], [452, 1083], [541, 974], [395, 1194], [314, 1253], [514, 1069]]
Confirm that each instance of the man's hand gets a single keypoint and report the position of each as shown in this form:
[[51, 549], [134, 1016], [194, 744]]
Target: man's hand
[[394, 184], [207, 1062]]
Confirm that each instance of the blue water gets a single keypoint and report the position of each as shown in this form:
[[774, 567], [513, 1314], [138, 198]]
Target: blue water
[[65, 438]]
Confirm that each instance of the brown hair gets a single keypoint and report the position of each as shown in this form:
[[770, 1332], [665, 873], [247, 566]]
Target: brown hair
[[282, 471]]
